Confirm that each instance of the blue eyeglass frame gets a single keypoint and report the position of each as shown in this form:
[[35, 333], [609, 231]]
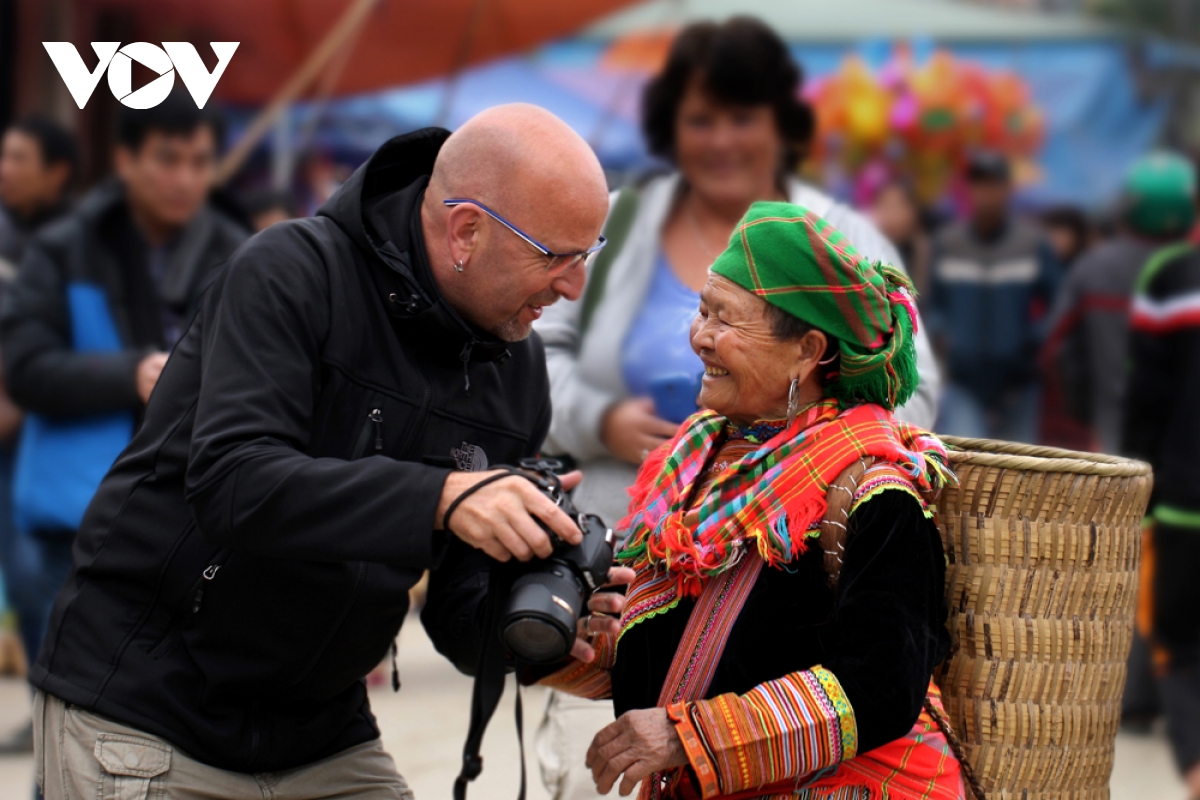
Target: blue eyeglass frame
[[541, 248]]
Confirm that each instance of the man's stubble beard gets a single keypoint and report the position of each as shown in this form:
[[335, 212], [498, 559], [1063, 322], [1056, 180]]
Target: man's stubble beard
[[513, 330]]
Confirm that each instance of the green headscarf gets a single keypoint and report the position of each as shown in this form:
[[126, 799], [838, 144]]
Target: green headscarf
[[797, 261]]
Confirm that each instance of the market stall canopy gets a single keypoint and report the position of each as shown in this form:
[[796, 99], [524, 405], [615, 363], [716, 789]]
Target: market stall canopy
[[853, 20], [400, 41]]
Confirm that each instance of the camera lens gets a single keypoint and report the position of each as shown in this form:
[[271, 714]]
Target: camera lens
[[539, 619]]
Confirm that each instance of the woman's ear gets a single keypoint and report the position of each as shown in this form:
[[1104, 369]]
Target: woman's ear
[[812, 349]]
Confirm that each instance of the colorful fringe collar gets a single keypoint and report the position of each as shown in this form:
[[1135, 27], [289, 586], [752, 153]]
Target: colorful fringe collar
[[768, 498]]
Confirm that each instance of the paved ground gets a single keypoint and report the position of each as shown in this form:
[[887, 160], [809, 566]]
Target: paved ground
[[424, 724]]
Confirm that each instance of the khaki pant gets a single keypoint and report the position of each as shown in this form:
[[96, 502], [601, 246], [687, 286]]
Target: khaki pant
[[563, 740], [79, 755]]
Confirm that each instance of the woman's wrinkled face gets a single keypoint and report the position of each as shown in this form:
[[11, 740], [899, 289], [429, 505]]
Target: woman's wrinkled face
[[747, 371], [727, 153]]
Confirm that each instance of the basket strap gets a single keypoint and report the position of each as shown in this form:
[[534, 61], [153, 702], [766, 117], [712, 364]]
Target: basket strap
[[956, 746]]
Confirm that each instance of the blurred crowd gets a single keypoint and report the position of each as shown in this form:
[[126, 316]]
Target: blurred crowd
[[1064, 326]]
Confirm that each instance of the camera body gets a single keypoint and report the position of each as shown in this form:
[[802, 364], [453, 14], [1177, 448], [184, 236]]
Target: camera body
[[548, 596]]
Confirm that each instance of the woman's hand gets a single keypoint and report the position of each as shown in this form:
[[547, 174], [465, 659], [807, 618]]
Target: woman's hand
[[631, 429], [638, 744], [605, 616]]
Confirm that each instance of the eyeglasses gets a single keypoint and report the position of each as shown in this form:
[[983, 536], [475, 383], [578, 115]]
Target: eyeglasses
[[557, 260]]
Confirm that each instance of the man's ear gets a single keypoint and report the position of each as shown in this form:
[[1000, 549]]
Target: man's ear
[[59, 174], [463, 225], [123, 159]]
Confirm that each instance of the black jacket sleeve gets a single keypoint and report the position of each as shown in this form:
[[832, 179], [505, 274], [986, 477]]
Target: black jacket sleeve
[[250, 483], [891, 616], [43, 372]]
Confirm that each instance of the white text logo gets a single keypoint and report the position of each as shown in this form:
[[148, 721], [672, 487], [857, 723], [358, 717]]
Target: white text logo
[[164, 61]]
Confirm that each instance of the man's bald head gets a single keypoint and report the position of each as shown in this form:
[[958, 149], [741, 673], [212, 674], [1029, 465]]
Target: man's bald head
[[529, 167], [514, 155]]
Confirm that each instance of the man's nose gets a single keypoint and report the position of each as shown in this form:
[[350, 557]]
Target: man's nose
[[570, 284]]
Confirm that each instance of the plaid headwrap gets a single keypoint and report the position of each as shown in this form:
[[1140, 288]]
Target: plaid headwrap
[[797, 261]]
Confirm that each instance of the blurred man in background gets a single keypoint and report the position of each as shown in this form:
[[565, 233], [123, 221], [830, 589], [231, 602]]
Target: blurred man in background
[[1162, 426], [102, 296], [1089, 341], [38, 163], [993, 280]]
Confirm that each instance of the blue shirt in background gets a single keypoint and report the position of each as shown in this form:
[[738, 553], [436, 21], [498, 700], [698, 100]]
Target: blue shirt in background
[[657, 345]]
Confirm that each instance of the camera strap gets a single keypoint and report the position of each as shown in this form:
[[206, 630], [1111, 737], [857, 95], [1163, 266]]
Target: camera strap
[[490, 675], [492, 669]]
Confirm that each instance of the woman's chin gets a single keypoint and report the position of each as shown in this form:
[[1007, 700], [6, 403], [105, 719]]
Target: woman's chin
[[712, 397]]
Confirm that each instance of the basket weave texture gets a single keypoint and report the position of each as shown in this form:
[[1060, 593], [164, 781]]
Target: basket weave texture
[[1042, 550]]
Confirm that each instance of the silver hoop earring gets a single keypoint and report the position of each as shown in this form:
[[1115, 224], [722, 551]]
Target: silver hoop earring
[[793, 407], [458, 266]]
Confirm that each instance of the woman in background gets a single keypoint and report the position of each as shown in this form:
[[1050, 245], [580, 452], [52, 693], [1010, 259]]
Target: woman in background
[[898, 213], [725, 111]]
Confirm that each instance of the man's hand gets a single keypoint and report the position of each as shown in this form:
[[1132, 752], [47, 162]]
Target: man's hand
[[638, 744], [631, 429], [605, 616], [148, 371], [500, 519]]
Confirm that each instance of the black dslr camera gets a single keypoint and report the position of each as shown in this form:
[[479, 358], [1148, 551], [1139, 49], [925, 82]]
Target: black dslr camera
[[549, 595]]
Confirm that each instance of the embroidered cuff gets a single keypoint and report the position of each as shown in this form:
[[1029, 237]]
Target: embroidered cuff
[[783, 729], [706, 775], [587, 679]]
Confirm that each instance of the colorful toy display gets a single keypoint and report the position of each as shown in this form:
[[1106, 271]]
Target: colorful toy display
[[919, 120]]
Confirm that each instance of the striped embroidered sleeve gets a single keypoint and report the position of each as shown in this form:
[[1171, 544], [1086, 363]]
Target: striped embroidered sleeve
[[780, 730], [590, 680], [882, 477]]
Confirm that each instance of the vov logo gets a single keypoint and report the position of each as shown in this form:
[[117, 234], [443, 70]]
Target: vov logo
[[165, 61]]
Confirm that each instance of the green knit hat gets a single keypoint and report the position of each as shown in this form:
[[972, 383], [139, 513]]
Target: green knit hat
[[797, 261]]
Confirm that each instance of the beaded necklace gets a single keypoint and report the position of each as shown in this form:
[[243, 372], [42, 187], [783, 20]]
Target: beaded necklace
[[760, 432]]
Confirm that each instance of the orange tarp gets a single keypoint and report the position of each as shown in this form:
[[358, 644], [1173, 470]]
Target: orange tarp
[[403, 41]]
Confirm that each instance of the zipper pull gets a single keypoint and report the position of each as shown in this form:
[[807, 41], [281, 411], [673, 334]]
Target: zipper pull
[[395, 669], [465, 355], [209, 573], [376, 417]]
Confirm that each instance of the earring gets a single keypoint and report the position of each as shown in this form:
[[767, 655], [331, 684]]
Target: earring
[[458, 266], [793, 407]]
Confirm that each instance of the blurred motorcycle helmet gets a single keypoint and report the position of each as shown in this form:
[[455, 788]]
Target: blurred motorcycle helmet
[[1159, 195]]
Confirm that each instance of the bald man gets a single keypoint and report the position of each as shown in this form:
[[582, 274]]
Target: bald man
[[247, 560]]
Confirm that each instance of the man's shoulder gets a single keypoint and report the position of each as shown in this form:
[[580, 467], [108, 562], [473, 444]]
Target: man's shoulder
[[227, 233], [1111, 265], [288, 252], [1172, 270]]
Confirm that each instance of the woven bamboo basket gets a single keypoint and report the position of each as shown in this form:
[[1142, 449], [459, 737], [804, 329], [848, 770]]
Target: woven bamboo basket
[[1042, 549]]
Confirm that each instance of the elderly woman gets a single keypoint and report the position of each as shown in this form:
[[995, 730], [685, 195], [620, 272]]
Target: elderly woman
[[726, 113], [787, 611]]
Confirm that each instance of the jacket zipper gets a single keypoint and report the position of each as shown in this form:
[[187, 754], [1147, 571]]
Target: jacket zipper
[[206, 577], [374, 424]]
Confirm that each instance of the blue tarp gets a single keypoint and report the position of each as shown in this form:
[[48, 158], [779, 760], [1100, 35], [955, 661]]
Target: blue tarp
[[1096, 122]]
